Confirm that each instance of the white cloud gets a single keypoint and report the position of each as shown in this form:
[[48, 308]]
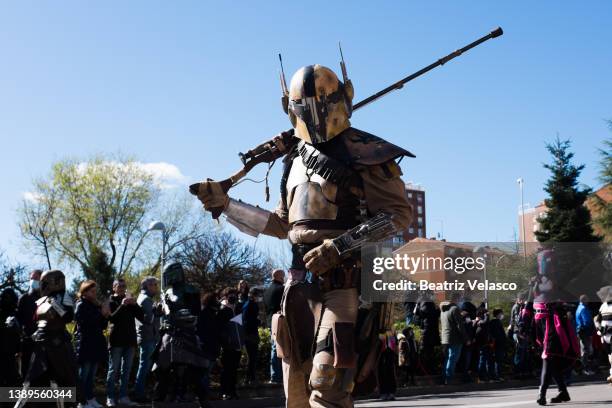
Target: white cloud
[[31, 197], [167, 175]]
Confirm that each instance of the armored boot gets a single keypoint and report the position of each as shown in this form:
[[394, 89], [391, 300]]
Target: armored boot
[[334, 364]]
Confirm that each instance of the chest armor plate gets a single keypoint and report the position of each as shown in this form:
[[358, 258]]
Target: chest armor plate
[[47, 317], [317, 203], [309, 196]]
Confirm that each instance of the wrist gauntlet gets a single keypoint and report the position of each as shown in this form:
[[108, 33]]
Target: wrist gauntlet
[[378, 228]]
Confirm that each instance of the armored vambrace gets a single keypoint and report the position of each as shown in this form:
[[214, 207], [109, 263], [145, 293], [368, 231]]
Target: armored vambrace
[[250, 219], [377, 228]]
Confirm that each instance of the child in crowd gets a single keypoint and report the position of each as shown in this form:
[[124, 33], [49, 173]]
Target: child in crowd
[[408, 353]]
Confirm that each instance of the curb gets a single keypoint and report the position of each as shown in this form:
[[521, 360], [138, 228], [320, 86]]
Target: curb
[[279, 399]]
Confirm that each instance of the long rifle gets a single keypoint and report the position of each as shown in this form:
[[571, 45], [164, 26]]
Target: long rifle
[[281, 144]]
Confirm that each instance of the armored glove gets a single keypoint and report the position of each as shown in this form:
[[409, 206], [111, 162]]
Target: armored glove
[[212, 196], [322, 258]]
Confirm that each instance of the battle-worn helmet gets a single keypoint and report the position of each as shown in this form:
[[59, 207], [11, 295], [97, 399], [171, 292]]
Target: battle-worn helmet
[[173, 274], [319, 104], [51, 282]]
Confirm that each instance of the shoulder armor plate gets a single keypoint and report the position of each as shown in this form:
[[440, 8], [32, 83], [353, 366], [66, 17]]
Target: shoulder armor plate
[[369, 150]]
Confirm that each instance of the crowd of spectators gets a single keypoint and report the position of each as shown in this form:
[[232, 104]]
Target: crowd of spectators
[[457, 340]]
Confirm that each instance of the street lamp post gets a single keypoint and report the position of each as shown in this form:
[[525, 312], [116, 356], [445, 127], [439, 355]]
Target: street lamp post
[[520, 182], [483, 251], [160, 226]]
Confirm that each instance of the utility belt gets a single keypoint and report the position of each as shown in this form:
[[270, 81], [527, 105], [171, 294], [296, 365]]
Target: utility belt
[[343, 276]]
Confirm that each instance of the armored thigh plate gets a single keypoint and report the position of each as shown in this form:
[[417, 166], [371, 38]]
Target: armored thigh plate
[[310, 196]]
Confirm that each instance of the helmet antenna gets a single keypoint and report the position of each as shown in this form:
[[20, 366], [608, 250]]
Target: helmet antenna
[[282, 76], [343, 65], [283, 82]]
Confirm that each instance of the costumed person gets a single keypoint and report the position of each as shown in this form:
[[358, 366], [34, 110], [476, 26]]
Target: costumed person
[[554, 332], [10, 339], [53, 358], [26, 313], [341, 188], [603, 323], [179, 359]]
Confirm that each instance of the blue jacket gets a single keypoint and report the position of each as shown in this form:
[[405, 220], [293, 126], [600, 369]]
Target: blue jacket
[[584, 321]]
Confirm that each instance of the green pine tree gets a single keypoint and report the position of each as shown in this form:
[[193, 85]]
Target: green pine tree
[[603, 210], [100, 270], [567, 218]]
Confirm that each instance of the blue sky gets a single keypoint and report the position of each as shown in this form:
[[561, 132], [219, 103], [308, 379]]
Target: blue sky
[[193, 83]]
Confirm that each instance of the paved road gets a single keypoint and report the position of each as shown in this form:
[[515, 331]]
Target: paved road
[[591, 395]]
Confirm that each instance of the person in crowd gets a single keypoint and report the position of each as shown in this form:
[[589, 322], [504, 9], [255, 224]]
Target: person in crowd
[[122, 342], [498, 336], [513, 332], [515, 312], [428, 315], [91, 318], [387, 363], [559, 344], [53, 358], [409, 308], [524, 336], [453, 336], [251, 323], [179, 359], [603, 324], [408, 352], [210, 338], [469, 354], [585, 328], [147, 332], [243, 292], [10, 339], [26, 312], [273, 296], [232, 340], [554, 333], [483, 345]]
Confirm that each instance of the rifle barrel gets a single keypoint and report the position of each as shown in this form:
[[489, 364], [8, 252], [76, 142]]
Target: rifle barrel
[[399, 84]]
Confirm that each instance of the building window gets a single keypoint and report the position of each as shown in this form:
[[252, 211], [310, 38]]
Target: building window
[[420, 198], [421, 232], [420, 209], [409, 194], [411, 230], [420, 221]]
